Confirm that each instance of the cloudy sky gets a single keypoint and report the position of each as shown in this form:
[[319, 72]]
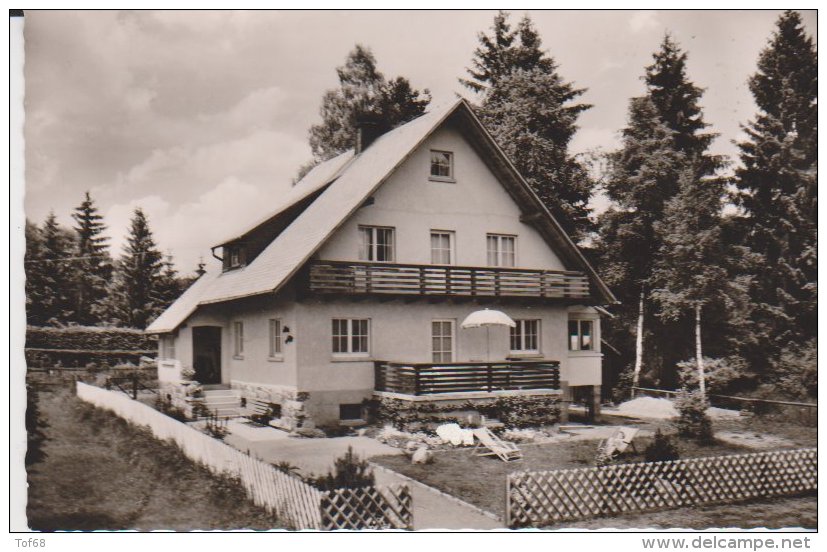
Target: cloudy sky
[[201, 118]]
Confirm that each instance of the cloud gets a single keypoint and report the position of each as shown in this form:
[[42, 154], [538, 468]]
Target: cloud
[[643, 20]]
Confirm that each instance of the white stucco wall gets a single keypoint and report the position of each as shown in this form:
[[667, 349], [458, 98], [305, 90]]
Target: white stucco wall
[[474, 205]]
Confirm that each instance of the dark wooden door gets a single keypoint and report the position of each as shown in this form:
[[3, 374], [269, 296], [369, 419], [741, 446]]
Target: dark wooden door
[[206, 354]]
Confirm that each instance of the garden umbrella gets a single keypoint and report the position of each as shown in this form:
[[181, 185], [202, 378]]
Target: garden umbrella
[[487, 318]]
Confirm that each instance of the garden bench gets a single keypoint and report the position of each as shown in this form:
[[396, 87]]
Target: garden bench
[[257, 410]]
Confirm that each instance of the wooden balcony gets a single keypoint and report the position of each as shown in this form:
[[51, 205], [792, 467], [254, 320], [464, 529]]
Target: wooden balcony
[[362, 278], [465, 377]]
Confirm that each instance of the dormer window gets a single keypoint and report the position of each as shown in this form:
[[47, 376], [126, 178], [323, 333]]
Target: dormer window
[[442, 166], [235, 257]]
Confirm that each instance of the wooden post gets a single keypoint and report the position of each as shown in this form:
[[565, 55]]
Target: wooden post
[[508, 500], [134, 387], [594, 404], [565, 402]]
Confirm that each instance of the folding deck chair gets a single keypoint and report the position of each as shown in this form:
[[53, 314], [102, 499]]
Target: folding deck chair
[[618, 441], [494, 446]]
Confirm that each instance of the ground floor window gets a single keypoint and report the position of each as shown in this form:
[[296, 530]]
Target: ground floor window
[[442, 340], [275, 337], [525, 336], [351, 335], [581, 334], [238, 338], [350, 411], [167, 343]]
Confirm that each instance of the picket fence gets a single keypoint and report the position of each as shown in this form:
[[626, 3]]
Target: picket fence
[[287, 497], [538, 499]]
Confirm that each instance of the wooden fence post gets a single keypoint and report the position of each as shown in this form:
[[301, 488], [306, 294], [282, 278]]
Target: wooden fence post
[[565, 400]]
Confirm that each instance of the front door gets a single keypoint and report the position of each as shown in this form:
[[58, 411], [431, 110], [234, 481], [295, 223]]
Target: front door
[[206, 352]]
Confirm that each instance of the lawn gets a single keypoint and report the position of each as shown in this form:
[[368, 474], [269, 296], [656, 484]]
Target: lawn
[[99, 472], [481, 480]]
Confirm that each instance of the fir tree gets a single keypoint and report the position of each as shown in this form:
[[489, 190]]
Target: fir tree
[[532, 113], [37, 289], [363, 91], [93, 266], [778, 187], [135, 295], [170, 286]]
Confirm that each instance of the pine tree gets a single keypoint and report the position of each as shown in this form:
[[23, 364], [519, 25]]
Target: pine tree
[[778, 187], [531, 112], [363, 91], [135, 296], [170, 286], [93, 266], [37, 289]]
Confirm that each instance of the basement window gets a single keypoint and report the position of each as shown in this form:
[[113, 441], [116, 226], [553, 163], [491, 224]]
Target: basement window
[[350, 411]]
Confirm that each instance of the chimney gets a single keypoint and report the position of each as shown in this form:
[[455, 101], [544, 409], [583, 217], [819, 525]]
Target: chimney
[[369, 127]]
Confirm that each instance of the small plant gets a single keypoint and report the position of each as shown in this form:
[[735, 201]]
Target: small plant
[[350, 472], [662, 449], [187, 373], [693, 421], [285, 466], [217, 427], [166, 407]]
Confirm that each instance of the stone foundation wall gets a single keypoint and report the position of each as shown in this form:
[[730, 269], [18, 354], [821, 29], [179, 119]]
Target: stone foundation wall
[[294, 414], [176, 393]]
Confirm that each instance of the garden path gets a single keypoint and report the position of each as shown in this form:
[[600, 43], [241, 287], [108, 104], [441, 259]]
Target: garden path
[[432, 509]]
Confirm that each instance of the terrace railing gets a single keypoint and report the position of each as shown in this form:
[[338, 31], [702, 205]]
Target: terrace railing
[[432, 379], [434, 280]]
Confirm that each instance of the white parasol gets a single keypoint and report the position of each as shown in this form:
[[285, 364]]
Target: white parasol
[[487, 318]]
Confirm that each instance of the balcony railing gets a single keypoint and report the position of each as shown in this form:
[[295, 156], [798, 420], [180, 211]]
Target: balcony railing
[[435, 280], [432, 379]]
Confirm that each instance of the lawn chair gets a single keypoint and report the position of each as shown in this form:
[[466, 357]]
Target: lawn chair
[[618, 442], [494, 446]]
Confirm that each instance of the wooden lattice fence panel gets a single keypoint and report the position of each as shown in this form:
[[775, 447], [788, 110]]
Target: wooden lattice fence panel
[[543, 498], [368, 508]]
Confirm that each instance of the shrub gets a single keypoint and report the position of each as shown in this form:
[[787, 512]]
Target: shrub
[[662, 449], [350, 472], [692, 419], [797, 372]]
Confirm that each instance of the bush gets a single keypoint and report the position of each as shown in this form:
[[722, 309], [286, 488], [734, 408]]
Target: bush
[[662, 449], [350, 472], [693, 421], [797, 372]]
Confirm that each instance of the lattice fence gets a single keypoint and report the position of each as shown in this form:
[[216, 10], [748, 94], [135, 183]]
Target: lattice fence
[[368, 508], [542, 498], [288, 497]]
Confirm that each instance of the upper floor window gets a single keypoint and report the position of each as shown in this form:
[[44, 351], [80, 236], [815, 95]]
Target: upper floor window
[[525, 336], [581, 335], [501, 250], [442, 165], [238, 339], [442, 247], [275, 337], [377, 244], [351, 335]]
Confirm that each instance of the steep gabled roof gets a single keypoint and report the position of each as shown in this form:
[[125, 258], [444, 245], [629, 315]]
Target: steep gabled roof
[[352, 185]]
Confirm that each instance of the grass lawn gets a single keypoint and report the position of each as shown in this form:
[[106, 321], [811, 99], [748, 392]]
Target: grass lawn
[[481, 480], [99, 472], [771, 514]]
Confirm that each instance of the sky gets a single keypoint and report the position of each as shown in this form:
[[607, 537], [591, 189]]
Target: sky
[[201, 118]]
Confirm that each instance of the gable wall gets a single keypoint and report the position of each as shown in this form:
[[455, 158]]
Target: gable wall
[[474, 205]]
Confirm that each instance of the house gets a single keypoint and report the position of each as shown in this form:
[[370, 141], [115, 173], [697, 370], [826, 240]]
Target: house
[[357, 285]]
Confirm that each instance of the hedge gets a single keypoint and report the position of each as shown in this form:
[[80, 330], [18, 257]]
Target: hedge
[[89, 338], [78, 346]]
